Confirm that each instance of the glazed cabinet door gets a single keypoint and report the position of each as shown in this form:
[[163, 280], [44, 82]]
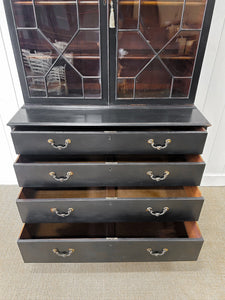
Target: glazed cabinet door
[[156, 49], [60, 48]]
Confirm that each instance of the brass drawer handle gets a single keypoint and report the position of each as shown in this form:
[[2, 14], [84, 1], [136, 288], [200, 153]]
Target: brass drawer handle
[[59, 147], [157, 253], [62, 214], [158, 178], [61, 179], [157, 214], [63, 253], [159, 147]]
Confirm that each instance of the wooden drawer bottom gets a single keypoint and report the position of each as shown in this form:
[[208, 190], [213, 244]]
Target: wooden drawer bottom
[[110, 242]]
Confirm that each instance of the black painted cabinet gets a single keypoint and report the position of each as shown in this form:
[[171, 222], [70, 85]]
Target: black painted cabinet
[[156, 50], [88, 141], [103, 204], [109, 51], [121, 170], [109, 139], [61, 49]]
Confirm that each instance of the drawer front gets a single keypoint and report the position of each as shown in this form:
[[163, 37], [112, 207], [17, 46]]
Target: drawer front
[[108, 174], [114, 250], [109, 210], [166, 142]]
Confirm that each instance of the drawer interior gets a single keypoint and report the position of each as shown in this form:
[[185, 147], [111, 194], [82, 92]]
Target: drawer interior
[[104, 192], [105, 129], [107, 158], [111, 230]]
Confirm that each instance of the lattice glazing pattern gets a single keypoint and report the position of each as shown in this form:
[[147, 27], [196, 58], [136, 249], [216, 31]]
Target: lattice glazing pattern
[[157, 43], [60, 47]]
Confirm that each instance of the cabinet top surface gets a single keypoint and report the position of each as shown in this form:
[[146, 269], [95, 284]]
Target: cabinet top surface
[[98, 116]]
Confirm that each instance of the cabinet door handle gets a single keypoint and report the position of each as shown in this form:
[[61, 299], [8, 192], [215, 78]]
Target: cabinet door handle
[[62, 214], [112, 16], [59, 147], [61, 179], [157, 214], [157, 253], [63, 253], [158, 178], [159, 147]]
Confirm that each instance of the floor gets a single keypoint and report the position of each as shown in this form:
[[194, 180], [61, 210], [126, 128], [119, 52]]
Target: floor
[[204, 279]]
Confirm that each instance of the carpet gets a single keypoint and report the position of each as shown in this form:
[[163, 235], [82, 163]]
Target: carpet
[[201, 280]]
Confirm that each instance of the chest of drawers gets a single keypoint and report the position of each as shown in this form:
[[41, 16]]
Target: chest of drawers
[[112, 202], [109, 141]]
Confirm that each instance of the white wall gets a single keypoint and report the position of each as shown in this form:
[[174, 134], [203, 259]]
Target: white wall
[[210, 99]]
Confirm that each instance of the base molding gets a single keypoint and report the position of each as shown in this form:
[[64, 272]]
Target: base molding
[[213, 180]]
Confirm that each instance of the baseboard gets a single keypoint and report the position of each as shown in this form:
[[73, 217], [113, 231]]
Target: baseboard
[[8, 181], [213, 180]]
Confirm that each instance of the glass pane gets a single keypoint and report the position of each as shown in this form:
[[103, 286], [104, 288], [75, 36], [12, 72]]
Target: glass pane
[[23, 13], [57, 20], [125, 88], [83, 52], [89, 13], [63, 81], [133, 53], [38, 55], [36, 86], [92, 87], [179, 55], [181, 87], [154, 81], [128, 13], [160, 20], [193, 14]]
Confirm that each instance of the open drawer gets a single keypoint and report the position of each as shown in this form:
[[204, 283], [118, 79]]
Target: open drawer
[[112, 140], [110, 242], [111, 170], [109, 204]]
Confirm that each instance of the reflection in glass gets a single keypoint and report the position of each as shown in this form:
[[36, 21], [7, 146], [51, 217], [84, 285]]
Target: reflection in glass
[[179, 55], [62, 48], [160, 20], [88, 13], [63, 81], [181, 87], [125, 88], [154, 81], [83, 52], [92, 87], [23, 13], [133, 53], [193, 14], [57, 21], [128, 14], [38, 55], [36, 86]]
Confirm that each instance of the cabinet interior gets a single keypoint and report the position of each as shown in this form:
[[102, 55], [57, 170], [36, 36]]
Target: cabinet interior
[[104, 159]]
